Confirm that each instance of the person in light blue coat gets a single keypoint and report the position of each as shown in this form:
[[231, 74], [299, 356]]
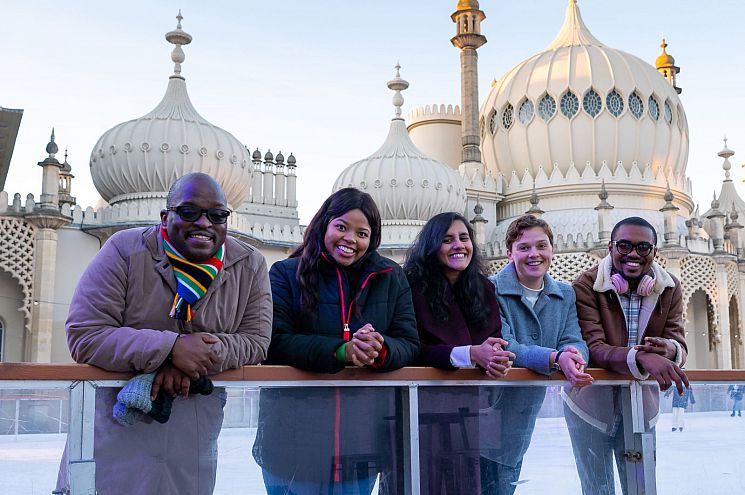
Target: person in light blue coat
[[539, 322]]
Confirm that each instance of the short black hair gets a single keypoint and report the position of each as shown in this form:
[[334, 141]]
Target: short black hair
[[175, 187], [634, 221]]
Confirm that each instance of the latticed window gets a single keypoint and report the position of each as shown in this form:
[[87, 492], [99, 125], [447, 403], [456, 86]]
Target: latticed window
[[493, 122], [654, 108], [2, 335], [668, 113], [546, 107], [614, 101], [569, 104], [507, 116], [636, 105], [525, 113], [592, 103]]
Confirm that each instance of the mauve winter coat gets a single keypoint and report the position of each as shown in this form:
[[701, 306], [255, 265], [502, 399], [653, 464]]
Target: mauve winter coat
[[119, 320]]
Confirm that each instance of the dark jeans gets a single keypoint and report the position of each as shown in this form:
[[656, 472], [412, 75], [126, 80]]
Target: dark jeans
[[278, 486], [594, 451], [498, 479]]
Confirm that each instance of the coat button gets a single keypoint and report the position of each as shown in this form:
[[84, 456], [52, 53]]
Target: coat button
[[535, 336]]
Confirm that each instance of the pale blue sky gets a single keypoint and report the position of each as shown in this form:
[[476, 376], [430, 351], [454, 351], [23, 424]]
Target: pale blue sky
[[309, 77]]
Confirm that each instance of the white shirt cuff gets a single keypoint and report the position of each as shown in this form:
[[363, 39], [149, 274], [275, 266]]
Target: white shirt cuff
[[460, 357], [678, 352], [633, 367]]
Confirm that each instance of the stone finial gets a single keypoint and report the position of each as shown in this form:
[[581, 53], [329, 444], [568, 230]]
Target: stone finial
[[669, 197], [534, 209], [603, 195], [397, 84], [52, 147], [179, 38], [715, 204], [726, 154]]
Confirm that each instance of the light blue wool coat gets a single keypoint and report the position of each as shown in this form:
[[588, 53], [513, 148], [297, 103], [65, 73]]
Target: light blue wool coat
[[534, 332]]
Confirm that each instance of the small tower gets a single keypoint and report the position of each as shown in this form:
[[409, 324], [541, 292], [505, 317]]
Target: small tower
[[665, 64], [669, 212], [467, 17], [49, 185], [717, 225], [479, 226], [603, 208], [65, 184]]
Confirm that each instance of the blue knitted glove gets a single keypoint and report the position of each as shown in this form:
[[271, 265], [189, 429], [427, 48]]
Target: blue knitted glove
[[134, 399]]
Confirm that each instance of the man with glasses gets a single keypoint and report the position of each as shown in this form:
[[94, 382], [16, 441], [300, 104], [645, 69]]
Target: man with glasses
[[183, 300], [630, 311]]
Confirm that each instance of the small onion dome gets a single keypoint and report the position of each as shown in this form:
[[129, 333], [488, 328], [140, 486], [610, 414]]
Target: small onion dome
[[256, 155], [405, 183], [665, 59], [268, 157], [467, 5], [291, 161], [142, 157], [280, 158]]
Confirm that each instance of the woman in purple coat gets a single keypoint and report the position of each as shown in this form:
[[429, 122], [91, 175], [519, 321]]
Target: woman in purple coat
[[459, 327]]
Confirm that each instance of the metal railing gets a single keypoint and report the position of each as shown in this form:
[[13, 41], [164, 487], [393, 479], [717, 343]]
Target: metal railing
[[82, 382]]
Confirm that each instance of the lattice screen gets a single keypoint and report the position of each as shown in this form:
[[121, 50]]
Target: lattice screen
[[732, 280], [17, 257], [700, 273], [566, 267], [494, 266]]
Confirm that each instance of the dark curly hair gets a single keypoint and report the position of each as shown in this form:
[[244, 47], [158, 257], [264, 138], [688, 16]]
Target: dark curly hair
[[425, 272], [312, 247]]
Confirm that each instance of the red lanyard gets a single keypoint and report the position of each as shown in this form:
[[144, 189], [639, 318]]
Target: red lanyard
[[346, 314]]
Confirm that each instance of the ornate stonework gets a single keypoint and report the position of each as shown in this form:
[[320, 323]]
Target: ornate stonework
[[17, 257]]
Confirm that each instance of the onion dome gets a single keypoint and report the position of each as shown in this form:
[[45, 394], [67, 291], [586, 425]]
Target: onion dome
[[665, 59], [467, 5], [579, 105], [256, 155], [141, 158], [406, 184]]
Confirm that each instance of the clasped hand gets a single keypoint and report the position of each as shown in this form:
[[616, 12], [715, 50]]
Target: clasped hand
[[572, 364], [365, 346], [491, 356], [191, 357], [663, 370]]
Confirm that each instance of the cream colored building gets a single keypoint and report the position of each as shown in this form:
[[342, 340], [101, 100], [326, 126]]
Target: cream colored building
[[580, 133]]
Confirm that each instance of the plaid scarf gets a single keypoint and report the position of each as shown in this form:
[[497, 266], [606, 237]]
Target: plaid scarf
[[193, 278]]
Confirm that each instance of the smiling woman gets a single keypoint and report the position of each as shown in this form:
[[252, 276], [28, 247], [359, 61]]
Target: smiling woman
[[337, 303]]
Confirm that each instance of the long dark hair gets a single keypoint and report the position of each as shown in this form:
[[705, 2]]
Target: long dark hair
[[425, 272], [312, 247]]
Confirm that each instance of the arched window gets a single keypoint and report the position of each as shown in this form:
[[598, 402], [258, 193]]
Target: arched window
[[592, 103], [569, 104], [614, 102], [507, 116], [546, 107], [525, 112]]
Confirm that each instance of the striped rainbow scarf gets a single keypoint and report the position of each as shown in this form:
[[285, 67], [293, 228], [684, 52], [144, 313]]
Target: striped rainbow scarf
[[193, 278]]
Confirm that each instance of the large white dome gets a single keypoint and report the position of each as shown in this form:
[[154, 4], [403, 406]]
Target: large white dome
[[139, 159], [406, 184], [580, 104]]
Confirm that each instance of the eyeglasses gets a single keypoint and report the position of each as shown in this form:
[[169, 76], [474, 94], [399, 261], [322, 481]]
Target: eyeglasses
[[625, 247], [189, 213]]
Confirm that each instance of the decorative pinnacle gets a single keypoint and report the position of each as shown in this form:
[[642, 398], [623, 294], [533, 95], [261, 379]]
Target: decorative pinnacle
[[52, 148], [715, 202], [179, 38], [603, 195], [663, 45], [726, 153], [668, 193], [397, 84]]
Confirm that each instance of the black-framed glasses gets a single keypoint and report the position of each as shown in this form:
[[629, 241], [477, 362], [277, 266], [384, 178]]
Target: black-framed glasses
[[625, 247], [189, 213]]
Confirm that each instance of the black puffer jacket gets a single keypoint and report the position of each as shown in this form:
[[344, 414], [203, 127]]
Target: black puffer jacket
[[325, 434], [383, 300]]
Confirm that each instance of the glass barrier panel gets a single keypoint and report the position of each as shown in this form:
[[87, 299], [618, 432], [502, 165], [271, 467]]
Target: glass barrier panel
[[701, 440], [527, 438], [33, 429], [329, 440]]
